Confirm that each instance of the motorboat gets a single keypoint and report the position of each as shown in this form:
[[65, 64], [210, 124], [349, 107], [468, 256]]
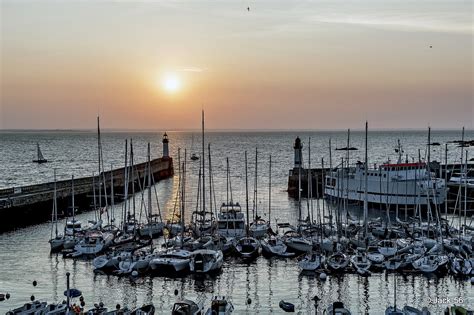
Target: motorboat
[[220, 306], [206, 260], [336, 308], [187, 307], [175, 260], [274, 246], [312, 262]]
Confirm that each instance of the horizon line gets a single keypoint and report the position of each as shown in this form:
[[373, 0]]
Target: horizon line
[[224, 130]]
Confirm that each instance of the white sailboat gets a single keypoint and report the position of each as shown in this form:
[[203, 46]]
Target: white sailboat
[[57, 241], [247, 247], [259, 227], [154, 226], [175, 260]]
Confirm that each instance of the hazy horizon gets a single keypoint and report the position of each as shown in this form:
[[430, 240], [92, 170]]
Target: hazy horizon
[[318, 65]]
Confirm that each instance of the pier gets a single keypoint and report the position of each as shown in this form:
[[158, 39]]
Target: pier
[[33, 204]]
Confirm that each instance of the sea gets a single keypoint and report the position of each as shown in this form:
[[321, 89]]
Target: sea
[[253, 288]]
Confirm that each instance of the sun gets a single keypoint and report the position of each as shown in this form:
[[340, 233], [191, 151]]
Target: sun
[[171, 83]]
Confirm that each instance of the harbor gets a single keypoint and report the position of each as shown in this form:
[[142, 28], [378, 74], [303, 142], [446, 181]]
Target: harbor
[[236, 157], [347, 224]]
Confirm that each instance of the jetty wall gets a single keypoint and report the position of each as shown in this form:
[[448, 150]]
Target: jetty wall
[[33, 204]]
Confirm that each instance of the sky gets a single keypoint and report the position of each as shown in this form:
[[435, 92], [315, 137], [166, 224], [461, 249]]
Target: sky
[[255, 64]]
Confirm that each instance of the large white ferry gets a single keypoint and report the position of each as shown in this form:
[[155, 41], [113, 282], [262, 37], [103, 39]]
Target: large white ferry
[[390, 184]]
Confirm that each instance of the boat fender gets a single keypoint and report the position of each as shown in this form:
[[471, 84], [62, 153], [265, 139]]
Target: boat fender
[[32, 298], [7, 296], [175, 291], [35, 283], [472, 282], [323, 276], [134, 273], [249, 301]]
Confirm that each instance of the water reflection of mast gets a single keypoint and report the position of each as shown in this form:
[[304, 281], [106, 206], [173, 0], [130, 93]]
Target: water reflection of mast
[[248, 288], [54, 276], [270, 291]]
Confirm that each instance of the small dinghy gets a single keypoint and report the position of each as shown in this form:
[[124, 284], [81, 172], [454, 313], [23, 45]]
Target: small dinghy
[[274, 246], [409, 310], [247, 248], [393, 311], [312, 262], [220, 306], [338, 262], [461, 266], [287, 306], [29, 308], [144, 310], [187, 307], [336, 308], [361, 263]]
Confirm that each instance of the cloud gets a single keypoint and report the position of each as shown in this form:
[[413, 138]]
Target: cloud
[[192, 69]]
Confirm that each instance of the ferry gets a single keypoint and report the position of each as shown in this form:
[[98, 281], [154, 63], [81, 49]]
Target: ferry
[[408, 184]]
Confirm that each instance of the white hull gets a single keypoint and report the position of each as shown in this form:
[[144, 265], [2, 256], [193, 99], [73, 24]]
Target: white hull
[[396, 186]]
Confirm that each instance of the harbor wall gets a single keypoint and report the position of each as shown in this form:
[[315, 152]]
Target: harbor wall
[[33, 204]]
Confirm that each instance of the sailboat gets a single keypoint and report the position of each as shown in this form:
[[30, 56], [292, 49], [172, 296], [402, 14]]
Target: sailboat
[[40, 158], [57, 241], [230, 220], [247, 247], [194, 157], [258, 228], [154, 226]]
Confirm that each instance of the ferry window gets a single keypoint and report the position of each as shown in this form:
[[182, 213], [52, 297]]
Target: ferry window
[[384, 175], [222, 225], [239, 225]]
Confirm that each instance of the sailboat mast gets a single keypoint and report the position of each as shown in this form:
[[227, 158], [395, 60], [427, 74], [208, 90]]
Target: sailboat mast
[[270, 191], [125, 187], [255, 191], [366, 203], [73, 207], [55, 205], [183, 197], [227, 180], [149, 186], [247, 193], [210, 179], [203, 167], [99, 159]]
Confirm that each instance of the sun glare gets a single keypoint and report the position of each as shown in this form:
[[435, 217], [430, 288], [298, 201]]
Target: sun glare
[[171, 83]]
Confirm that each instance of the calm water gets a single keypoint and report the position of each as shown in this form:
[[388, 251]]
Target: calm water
[[25, 253]]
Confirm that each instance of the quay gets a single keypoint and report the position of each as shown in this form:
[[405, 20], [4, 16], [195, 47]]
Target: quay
[[32, 204]]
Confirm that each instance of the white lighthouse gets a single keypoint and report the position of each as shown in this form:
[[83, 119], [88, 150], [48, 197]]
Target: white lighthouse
[[165, 146], [298, 153]]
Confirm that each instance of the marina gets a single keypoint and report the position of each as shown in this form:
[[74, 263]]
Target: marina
[[236, 157], [319, 267]]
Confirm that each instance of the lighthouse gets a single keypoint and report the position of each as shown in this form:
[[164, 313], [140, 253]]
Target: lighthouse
[[298, 153], [165, 146]]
